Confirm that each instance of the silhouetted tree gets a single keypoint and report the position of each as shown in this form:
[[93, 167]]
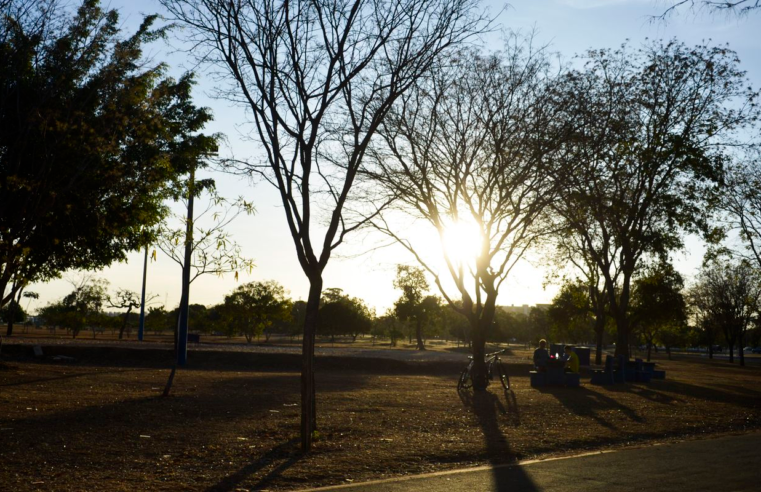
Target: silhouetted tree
[[731, 296], [318, 78], [644, 136], [658, 307], [341, 314], [468, 148], [253, 307], [87, 132]]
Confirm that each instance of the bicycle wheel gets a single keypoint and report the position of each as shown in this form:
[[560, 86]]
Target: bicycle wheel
[[502, 373], [464, 382]]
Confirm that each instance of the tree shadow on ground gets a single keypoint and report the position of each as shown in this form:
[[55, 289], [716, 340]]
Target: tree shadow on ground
[[586, 403], [67, 376], [691, 391], [645, 392], [487, 409], [286, 455]]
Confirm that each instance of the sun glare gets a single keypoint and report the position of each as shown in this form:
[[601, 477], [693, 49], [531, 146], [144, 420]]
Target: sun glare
[[462, 241]]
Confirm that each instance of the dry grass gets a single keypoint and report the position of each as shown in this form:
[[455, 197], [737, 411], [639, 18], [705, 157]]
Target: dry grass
[[232, 423]]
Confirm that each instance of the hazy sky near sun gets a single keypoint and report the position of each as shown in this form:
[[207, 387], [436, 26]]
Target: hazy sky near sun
[[568, 26]]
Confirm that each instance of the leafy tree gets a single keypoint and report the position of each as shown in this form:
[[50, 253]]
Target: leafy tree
[[341, 314], [88, 134], [81, 308], [387, 326], [157, 319], [13, 313], [411, 281], [253, 307], [129, 300], [644, 136], [730, 300], [454, 325], [318, 77], [201, 248], [740, 202], [571, 314], [658, 307], [539, 324]]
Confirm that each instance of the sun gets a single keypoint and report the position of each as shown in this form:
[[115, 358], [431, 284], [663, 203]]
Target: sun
[[462, 241]]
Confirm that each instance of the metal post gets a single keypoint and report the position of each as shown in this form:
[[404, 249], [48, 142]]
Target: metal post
[[141, 328]]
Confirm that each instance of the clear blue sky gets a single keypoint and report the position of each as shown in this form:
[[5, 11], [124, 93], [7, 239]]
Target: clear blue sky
[[569, 26]]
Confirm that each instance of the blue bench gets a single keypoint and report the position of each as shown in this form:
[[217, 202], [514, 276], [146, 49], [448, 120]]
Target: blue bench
[[573, 379], [659, 375], [538, 379]]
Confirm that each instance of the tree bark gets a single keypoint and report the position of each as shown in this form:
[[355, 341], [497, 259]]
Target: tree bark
[[419, 333], [308, 407], [182, 325], [599, 332], [124, 323]]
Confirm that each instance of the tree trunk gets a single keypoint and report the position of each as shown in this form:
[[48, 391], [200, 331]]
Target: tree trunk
[[141, 327], [740, 350], [419, 333], [599, 332], [14, 308], [622, 335], [182, 328], [124, 323], [308, 407], [478, 373], [649, 348]]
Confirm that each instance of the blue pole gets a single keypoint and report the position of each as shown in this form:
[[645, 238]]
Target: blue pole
[[141, 328]]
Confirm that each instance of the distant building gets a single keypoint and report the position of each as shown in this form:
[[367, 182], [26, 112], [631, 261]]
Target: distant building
[[513, 309]]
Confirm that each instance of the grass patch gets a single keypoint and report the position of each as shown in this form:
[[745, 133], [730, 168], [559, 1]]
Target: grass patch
[[232, 422]]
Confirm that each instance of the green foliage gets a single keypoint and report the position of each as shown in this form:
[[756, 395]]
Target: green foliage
[[643, 138], [13, 311], [570, 314], [81, 308], [92, 139], [157, 319], [658, 309], [342, 315], [388, 326], [510, 327], [253, 307], [539, 325], [198, 322]]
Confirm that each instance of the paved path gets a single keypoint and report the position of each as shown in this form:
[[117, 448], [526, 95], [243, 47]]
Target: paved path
[[723, 464]]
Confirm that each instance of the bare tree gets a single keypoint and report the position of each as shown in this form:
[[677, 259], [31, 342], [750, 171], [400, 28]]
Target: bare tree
[[732, 294], [318, 77], [644, 137], [129, 300], [740, 201], [730, 7], [464, 155]]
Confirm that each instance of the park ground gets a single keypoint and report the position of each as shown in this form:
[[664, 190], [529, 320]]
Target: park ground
[[98, 422]]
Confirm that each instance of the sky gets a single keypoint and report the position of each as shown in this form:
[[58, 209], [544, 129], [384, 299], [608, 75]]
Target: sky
[[568, 26]]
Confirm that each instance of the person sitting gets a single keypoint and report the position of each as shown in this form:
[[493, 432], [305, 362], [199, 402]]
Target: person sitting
[[541, 356], [572, 360]]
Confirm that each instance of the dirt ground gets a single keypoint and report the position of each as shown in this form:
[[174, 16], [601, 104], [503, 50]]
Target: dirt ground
[[98, 422]]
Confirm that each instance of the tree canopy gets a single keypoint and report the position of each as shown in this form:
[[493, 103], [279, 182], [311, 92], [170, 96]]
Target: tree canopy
[[91, 137], [645, 134]]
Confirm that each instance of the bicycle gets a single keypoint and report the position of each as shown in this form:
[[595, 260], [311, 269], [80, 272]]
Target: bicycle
[[493, 367]]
